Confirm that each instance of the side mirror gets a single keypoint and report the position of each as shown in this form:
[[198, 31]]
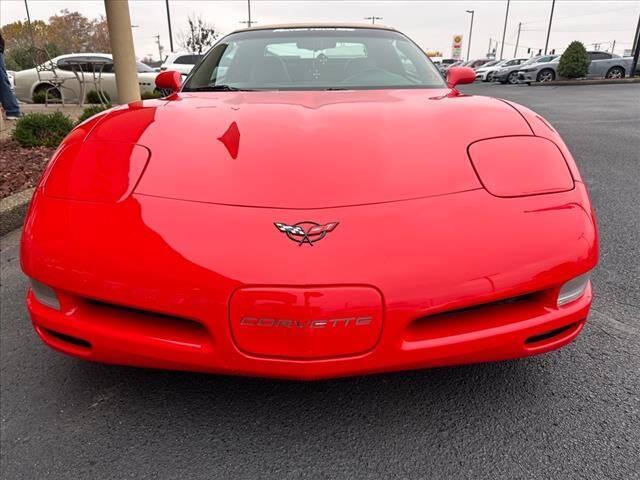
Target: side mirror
[[460, 75], [169, 80]]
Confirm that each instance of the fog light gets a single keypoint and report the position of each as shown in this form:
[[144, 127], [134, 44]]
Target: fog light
[[44, 294], [573, 289]]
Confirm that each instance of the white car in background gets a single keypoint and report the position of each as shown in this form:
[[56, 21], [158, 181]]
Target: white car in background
[[180, 62], [56, 76], [12, 80], [485, 72]]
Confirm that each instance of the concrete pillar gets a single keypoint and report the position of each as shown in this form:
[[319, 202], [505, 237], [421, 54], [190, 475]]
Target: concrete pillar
[[124, 58]]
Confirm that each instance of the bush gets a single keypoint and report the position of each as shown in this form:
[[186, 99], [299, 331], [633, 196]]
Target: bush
[[574, 62], [150, 95], [39, 97], [42, 129], [91, 111], [93, 97]]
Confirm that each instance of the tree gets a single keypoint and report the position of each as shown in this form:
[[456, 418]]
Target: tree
[[71, 30], [100, 36], [18, 46], [574, 62], [200, 35], [66, 32]]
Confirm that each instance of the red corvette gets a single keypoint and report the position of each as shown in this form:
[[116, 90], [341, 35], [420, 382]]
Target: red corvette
[[314, 201]]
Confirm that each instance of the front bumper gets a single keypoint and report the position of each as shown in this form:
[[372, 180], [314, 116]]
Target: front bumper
[[527, 77], [475, 280]]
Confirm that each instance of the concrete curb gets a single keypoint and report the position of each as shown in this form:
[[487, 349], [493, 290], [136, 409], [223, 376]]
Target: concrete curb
[[13, 209], [602, 81]]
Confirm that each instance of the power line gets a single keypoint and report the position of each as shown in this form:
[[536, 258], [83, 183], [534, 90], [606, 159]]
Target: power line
[[580, 15]]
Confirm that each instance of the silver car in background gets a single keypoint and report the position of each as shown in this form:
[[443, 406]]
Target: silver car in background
[[508, 72], [603, 65]]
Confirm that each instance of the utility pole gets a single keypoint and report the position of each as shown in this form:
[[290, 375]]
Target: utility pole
[[504, 31], [373, 19], [248, 22], [515, 53], [613, 46], [489, 50], [169, 23], [157, 37], [470, 31], [546, 44]]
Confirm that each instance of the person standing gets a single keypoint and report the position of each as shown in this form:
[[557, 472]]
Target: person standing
[[7, 97]]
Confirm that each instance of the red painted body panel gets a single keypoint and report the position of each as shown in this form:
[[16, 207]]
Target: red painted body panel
[[448, 272]]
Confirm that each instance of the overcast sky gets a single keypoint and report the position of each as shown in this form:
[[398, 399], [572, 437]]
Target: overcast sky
[[431, 24]]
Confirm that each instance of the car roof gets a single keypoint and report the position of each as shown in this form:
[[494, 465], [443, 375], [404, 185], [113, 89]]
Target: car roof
[[85, 54], [278, 26]]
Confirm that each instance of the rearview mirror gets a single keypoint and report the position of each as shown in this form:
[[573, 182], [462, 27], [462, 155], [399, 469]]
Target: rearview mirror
[[169, 80], [460, 75]]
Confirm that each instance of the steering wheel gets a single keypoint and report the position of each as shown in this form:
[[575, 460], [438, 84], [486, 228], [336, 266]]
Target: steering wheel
[[363, 74]]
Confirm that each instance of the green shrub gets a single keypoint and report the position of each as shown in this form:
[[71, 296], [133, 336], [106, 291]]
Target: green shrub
[[39, 97], [42, 129], [150, 95], [574, 62], [91, 111], [93, 97]]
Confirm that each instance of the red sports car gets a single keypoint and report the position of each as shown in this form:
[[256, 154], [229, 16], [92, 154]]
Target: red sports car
[[314, 201]]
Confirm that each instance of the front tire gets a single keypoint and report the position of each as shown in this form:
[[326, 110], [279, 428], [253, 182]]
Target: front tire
[[512, 79], [489, 77], [615, 72], [546, 75]]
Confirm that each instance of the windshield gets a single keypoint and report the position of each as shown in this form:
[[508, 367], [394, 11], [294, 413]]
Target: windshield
[[314, 59]]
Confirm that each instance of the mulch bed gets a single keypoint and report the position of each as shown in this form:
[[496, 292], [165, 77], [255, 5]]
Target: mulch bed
[[21, 167]]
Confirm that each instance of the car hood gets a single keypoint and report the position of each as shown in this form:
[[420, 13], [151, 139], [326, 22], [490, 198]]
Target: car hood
[[309, 149]]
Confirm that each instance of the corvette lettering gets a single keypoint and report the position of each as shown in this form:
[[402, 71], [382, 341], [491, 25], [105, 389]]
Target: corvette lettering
[[286, 323], [306, 232]]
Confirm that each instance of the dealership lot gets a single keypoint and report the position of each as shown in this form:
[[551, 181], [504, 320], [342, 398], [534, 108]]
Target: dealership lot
[[571, 413]]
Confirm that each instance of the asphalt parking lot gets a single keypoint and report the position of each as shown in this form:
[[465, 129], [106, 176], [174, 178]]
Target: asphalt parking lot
[[574, 413]]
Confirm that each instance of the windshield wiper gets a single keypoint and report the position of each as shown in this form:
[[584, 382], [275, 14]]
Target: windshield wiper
[[218, 88]]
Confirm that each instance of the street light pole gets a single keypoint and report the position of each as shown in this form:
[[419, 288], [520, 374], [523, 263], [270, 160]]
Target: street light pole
[[169, 23], [470, 31], [546, 44], [515, 53], [504, 31]]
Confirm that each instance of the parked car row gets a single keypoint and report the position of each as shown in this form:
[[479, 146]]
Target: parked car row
[[543, 68], [603, 65]]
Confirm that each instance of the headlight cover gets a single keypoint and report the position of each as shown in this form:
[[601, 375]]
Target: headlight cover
[[44, 294], [520, 166], [573, 289], [96, 171]]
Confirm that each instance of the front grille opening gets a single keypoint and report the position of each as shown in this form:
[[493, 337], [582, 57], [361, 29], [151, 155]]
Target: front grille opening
[[474, 318], [77, 342], [144, 323], [550, 334]]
